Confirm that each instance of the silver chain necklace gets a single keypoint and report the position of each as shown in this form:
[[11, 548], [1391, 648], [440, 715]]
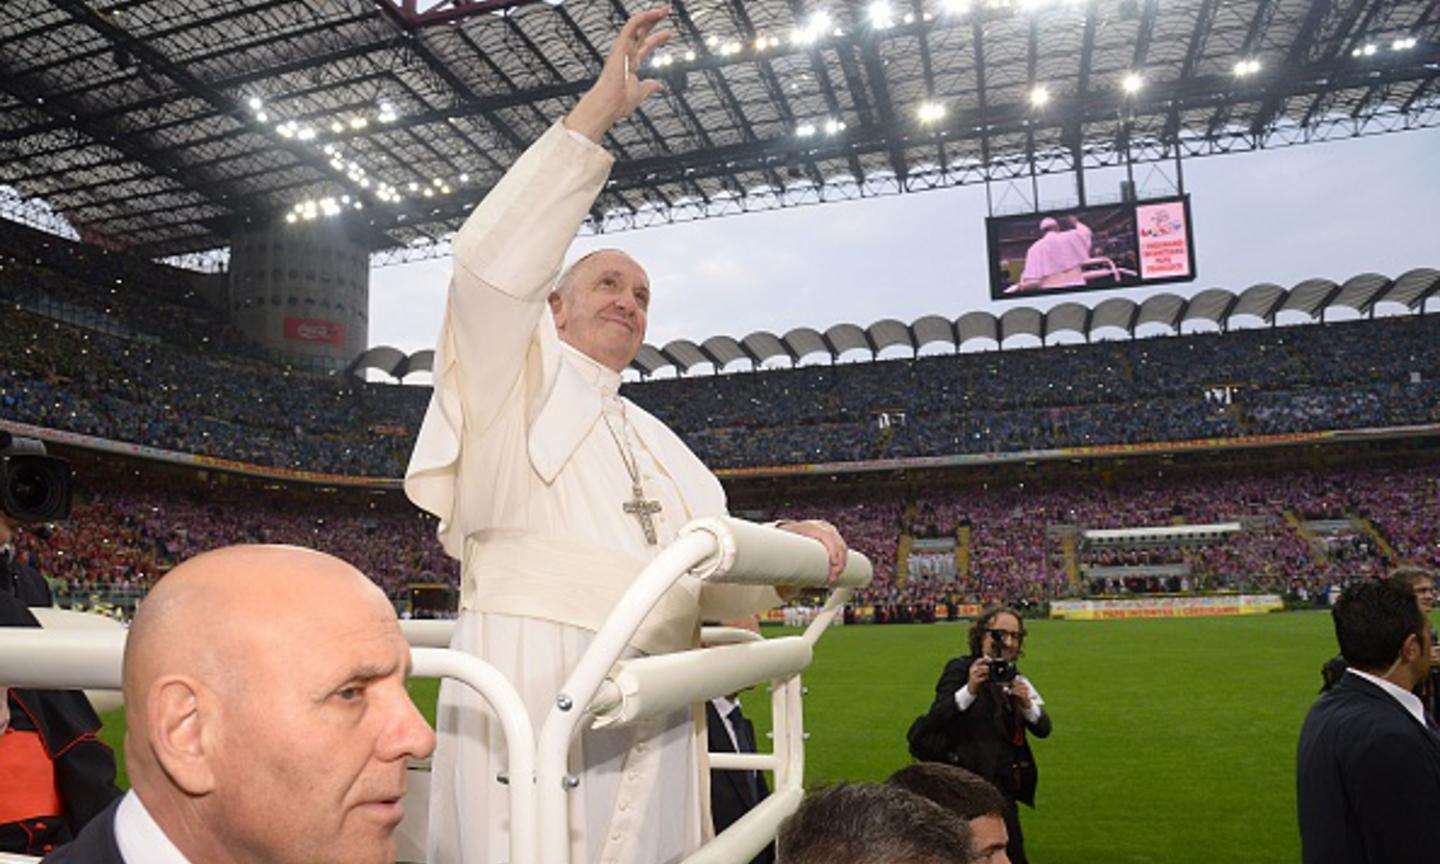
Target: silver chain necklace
[[642, 509]]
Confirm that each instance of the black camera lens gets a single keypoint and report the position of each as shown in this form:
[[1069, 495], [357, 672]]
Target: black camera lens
[[35, 488]]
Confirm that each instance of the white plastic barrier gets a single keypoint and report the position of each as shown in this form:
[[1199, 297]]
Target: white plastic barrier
[[605, 691], [52, 618], [721, 550]]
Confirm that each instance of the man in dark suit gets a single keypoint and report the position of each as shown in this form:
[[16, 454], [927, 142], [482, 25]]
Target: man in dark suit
[[987, 711], [1368, 768], [267, 718], [733, 793], [728, 730]]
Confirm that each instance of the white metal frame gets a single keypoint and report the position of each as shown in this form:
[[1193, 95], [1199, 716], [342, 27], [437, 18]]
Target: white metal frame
[[602, 688]]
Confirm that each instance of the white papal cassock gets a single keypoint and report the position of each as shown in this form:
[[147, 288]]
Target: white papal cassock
[[516, 459]]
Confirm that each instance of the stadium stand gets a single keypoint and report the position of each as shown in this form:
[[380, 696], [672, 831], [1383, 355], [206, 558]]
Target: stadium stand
[[155, 365]]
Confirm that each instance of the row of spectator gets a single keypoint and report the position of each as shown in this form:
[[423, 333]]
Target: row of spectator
[[127, 530]]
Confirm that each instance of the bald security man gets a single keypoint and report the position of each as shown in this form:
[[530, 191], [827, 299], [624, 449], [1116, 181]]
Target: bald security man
[[267, 718]]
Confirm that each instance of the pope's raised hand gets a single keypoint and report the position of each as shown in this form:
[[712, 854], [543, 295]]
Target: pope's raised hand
[[620, 90]]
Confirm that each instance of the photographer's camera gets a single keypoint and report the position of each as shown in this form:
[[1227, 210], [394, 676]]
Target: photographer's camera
[[34, 487]]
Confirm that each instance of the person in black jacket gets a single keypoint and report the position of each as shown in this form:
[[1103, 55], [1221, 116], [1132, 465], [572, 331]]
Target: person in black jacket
[[55, 774], [1368, 767], [988, 710]]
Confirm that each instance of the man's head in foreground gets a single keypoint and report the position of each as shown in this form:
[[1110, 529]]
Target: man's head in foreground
[[601, 304], [266, 709], [871, 823], [1382, 631], [968, 796]]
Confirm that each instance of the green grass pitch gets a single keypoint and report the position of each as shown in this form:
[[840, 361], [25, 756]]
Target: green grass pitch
[[1174, 740]]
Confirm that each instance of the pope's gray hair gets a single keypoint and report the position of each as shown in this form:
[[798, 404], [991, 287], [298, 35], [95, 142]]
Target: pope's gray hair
[[565, 283]]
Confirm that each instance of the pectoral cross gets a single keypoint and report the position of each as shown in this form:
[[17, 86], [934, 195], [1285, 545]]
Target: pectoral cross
[[643, 510]]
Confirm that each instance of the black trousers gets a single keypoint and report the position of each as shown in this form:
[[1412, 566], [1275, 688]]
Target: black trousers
[[1015, 850]]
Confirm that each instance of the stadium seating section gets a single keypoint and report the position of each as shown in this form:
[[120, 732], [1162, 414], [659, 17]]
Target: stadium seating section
[[101, 345]]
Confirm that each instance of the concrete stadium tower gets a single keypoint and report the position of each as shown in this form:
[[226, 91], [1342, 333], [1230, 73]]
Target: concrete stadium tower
[[302, 292]]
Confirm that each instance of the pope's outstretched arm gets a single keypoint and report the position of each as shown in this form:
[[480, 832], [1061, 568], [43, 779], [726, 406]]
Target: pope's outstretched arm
[[507, 256]]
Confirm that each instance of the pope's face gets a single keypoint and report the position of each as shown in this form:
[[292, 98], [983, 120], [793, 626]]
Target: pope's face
[[604, 313]]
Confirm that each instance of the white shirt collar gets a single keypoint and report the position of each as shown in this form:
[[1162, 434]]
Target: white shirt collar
[[1409, 701], [140, 839], [595, 373], [723, 706]]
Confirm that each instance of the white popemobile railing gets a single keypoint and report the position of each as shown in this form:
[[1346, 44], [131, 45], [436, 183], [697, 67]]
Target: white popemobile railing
[[609, 691]]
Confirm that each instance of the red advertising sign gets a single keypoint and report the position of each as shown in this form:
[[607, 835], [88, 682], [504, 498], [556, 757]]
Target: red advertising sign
[[1164, 249], [314, 330]]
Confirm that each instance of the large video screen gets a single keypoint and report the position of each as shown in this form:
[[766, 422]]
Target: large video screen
[[1091, 248]]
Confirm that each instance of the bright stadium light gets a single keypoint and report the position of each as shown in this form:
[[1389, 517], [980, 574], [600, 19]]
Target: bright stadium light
[[882, 17], [255, 103], [337, 127], [930, 112], [1039, 95], [689, 56], [1246, 67], [262, 117], [1404, 44], [816, 26], [1132, 83], [358, 122], [834, 127], [805, 130]]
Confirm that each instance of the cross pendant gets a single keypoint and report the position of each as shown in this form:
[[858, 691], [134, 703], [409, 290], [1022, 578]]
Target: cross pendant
[[643, 510]]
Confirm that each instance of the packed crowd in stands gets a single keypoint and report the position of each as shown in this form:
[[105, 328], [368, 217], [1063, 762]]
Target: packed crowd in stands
[[1016, 552], [177, 377], [127, 530], [124, 533]]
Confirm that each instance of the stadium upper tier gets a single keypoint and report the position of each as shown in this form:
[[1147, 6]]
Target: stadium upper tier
[[1361, 374], [150, 365], [1262, 302]]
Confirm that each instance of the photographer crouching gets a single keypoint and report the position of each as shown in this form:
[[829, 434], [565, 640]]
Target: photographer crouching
[[982, 713], [55, 774]]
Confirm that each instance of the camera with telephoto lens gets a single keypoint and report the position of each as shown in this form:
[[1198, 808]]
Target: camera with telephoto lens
[[1002, 671], [34, 487]]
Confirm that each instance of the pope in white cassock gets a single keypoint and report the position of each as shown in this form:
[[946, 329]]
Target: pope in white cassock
[[555, 491]]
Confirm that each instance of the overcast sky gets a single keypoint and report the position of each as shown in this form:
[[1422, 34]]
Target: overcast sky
[[1331, 210]]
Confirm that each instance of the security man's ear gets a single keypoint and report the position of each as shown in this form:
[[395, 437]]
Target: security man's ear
[[183, 719]]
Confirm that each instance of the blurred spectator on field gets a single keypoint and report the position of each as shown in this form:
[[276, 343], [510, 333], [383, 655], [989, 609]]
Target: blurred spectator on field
[[1421, 582], [872, 823], [968, 796]]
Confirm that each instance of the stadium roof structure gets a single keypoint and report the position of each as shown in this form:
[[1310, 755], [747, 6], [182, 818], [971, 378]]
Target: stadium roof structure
[[164, 127], [1263, 302]]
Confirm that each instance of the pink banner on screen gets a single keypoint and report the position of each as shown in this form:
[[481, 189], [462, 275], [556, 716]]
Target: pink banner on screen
[[1164, 251], [314, 330]]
